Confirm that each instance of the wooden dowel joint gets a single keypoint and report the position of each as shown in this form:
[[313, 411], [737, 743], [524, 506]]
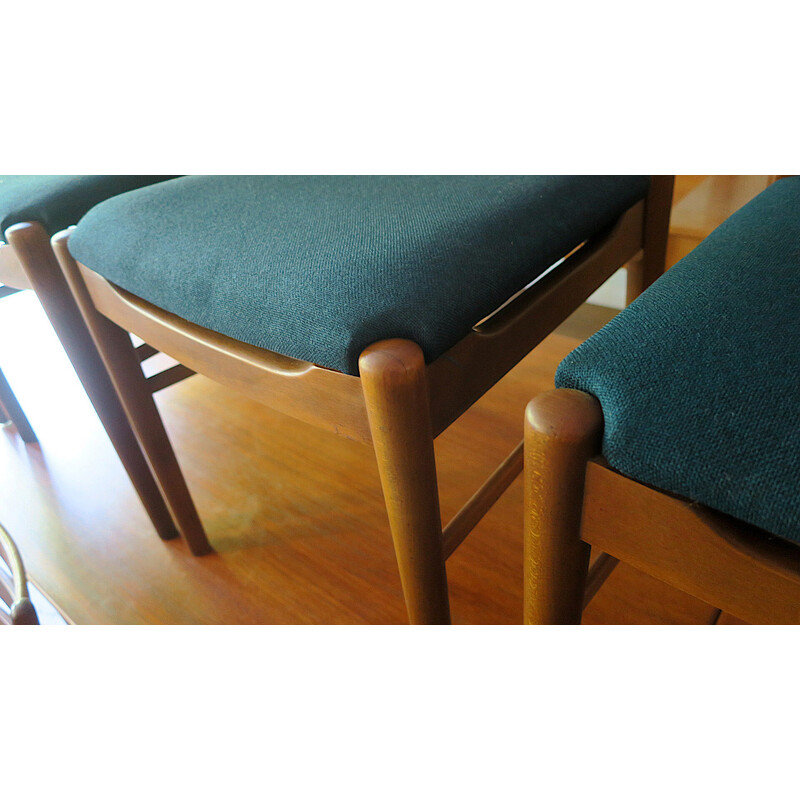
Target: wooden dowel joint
[[474, 510]]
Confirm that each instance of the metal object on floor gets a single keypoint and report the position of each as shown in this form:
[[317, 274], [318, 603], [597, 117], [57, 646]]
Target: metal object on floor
[[14, 588]]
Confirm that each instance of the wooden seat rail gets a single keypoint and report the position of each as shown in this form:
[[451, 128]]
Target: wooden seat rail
[[397, 403], [334, 400], [574, 500], [726, 563]]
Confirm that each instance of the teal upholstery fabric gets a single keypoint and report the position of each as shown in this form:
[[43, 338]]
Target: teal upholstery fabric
[[58, 201], [699, 379], [319, 267]]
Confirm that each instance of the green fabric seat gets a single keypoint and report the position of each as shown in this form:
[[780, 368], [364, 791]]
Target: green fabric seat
[[699, 377], [317, 267], [58, 201]]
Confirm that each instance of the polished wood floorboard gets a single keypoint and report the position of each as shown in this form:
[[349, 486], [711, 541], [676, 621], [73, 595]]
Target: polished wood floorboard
[[295, 514], [701, 203]]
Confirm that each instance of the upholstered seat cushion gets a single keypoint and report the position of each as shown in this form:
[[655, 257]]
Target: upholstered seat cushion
[[317, 267], [58, 201], [699, 378]]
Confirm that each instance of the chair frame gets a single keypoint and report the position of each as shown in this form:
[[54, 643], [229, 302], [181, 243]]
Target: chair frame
[[397, 404], [28, 262], [575, 501], [10, 409]]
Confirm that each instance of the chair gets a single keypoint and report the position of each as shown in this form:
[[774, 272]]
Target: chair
[[32, 208], [14, 586], [671, 442], [376, 308], [10, 409]]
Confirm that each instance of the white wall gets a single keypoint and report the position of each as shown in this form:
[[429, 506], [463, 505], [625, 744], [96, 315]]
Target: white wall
[[612, 292]]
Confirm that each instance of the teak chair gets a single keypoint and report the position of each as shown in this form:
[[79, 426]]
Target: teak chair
[[10, 409], [32, 208], [576, 501], [14, 588], [681, 456], [396, 403]]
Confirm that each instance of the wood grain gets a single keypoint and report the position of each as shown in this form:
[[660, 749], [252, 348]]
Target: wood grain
[[711, 202], [34, 253], [479, 505], [711, 556], [650, 265], [563, 428], [459, 377], [701, 203], [296, 515], [396, 385], [396, 396], [323, 397], [123, 367]]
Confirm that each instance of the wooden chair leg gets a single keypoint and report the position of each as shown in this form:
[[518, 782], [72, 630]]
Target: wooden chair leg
[[120, 357], [122, 364], [562, 431], [652, 263], [13, 409], [396, 394], [32, 246]]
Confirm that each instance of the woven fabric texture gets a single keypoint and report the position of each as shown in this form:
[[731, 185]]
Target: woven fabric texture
[[318, 267], [58, 201], [699, 378]]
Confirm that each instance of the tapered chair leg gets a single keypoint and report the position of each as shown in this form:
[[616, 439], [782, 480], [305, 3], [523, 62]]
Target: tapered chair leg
[[32, 246], [122, 364], [396, 394], [651, 264], [11, 406], [562, 431]]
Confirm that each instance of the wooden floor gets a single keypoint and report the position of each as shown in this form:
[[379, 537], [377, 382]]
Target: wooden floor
[[295, 515]]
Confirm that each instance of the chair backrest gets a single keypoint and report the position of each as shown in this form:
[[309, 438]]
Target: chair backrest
[[14, 587]]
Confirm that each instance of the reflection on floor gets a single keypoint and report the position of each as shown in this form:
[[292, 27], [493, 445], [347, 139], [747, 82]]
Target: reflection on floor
[[295, 514]]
